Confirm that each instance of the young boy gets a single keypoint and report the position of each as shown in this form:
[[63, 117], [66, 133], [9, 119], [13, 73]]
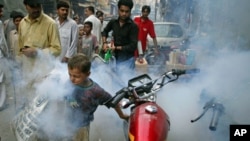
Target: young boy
[[17, 17], [80, 36], [89, 41], [87, 96]]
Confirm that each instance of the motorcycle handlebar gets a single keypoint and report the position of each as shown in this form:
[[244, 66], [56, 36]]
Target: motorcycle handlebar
[[217, 110], [214, 120], [117, 98], [181, 72], [123, 92]]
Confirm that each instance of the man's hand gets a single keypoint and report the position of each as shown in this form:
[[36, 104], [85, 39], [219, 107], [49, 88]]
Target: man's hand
[[105, 47], [156, 51], [29, 51], [65, 59], [113, 48]]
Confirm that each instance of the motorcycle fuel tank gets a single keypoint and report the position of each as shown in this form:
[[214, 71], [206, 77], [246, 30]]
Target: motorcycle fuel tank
[[148, 122]]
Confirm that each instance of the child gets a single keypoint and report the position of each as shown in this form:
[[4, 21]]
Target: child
[[89, 41], [81, 33], [87, 96], [17, 17]]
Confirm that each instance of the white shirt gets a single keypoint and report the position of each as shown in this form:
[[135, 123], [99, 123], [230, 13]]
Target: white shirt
[[3, 45], [97, 26], [13, 37], [68, 31]]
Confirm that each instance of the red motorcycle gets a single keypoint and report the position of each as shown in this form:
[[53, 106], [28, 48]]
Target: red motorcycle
[[148, 121]]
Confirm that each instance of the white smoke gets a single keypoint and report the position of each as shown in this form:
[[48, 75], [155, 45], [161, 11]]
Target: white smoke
[[225, 79], [224, 73]]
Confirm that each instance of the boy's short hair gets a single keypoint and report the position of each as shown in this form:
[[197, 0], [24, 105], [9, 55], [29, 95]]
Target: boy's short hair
[[89, 23], [62, 3], [17, 14], [81, 62], [128, 3]]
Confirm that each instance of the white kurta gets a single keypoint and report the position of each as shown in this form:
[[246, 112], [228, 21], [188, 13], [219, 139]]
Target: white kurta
[[69, 33]]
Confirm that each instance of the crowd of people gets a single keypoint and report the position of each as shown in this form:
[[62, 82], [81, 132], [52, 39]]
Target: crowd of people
[[26, 39]]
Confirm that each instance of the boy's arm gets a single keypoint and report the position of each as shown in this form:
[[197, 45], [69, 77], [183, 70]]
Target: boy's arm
[[95, 45], [120, 113]]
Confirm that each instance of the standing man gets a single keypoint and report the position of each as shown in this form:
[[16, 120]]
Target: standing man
[[97, 26], [38, 41], [3, 54], [8, 26], [125, 34], [146, 27], [4, 51], [100, 15], [68, 31], [37, 31]]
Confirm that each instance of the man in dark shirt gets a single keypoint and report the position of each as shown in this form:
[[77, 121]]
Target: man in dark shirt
[[125, 33]]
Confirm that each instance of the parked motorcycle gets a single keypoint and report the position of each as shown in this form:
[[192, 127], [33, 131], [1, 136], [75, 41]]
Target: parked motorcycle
[[148, 121]]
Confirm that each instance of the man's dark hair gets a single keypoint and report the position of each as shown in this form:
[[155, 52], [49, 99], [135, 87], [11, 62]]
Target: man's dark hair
[[62, 3], [89, 23], [91, 8], [32, 2], [1, 6], [145, 7], [128, 3]]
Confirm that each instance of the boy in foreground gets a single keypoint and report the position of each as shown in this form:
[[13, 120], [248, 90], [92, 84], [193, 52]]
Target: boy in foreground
[[87, 96]]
